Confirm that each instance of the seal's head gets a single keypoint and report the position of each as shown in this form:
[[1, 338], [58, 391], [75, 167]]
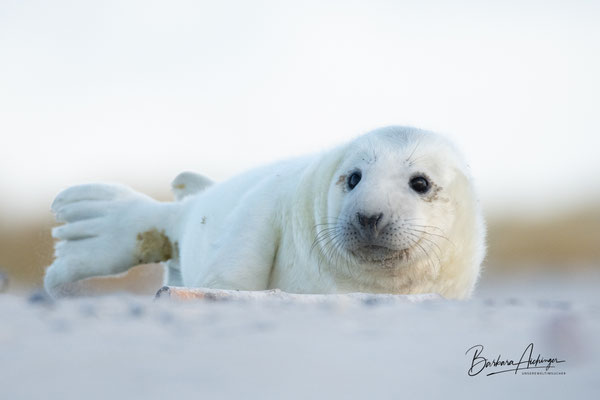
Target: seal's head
[[403, 216]]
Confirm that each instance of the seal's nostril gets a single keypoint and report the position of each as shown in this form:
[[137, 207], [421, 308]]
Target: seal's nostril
[[378, 218], [361, 219], [370, 221]]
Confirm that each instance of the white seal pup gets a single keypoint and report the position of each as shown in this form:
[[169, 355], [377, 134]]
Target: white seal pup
[[393, 211]]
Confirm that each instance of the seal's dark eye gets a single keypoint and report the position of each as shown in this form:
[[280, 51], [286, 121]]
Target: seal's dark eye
[[419, 184], [353, 180]]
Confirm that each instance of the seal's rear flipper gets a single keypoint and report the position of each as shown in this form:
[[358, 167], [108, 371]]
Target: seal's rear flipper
[[187, 183], [108, 229]]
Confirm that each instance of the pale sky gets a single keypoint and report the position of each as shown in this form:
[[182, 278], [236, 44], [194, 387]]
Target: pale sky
[[137, 91]]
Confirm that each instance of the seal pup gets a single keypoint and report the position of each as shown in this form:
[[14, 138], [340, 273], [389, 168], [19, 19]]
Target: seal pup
[[393, 211]]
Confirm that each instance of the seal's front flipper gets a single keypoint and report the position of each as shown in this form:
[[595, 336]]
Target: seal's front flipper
[[108, 229], [187, 183]]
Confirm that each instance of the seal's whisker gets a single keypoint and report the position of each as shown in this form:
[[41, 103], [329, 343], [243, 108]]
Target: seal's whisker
[[323, 233], [326, 235], [430, 244], [428, 226], [430, 262], [409, 158], [426, 239], [425, 254], [325, 224], [431, 234], [331, 241], [338, 254], [331, 220], [414, 160], [323, 238], [331, 246], [326, 230]]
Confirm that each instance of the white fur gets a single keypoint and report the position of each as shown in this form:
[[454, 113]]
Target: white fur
[[265, 228]]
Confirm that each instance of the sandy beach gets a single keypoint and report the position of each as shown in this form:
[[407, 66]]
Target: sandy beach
[[125, 346]]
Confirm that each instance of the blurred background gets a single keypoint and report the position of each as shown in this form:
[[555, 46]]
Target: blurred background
[[138, 91]]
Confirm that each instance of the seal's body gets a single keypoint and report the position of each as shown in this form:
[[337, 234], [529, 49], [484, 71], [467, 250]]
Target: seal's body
[[393, 211]]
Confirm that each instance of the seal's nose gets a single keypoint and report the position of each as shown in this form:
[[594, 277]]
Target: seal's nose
[[369, 222]]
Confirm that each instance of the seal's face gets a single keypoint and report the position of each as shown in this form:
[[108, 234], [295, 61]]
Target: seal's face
[[391, 201]]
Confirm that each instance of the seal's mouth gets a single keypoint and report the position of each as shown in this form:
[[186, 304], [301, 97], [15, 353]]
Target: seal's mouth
[[377, 253]]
